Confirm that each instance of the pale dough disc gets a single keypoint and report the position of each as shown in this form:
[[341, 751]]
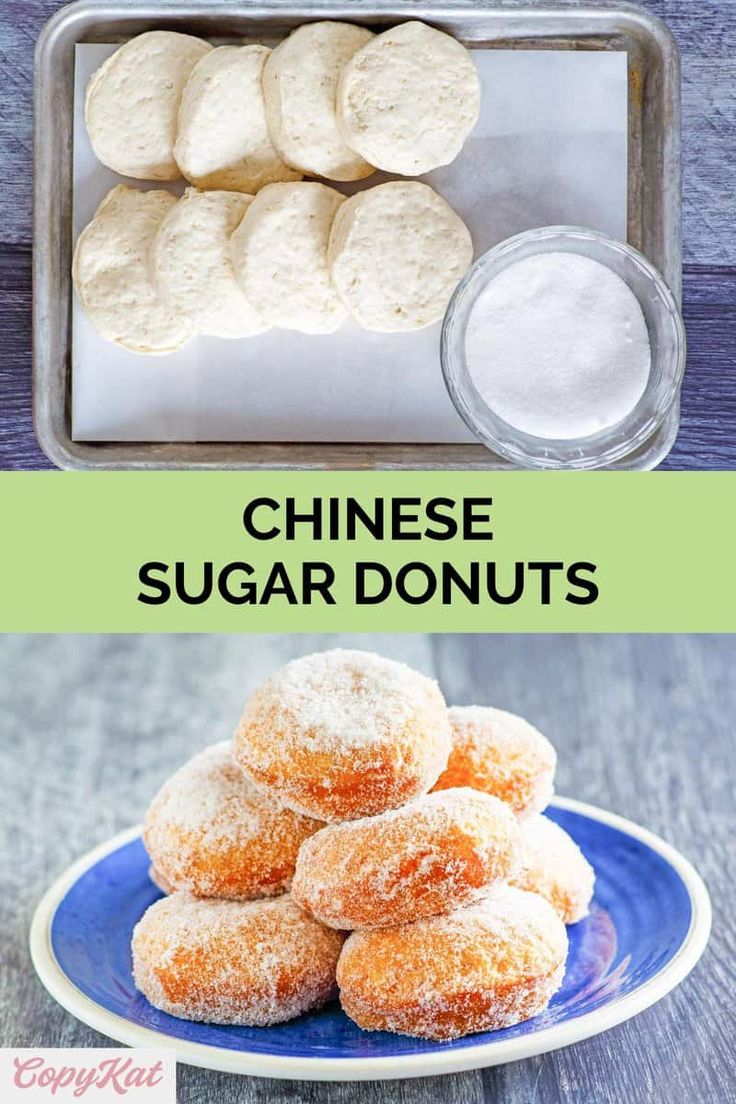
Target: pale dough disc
[[280, 256], [132, 103], [300, 87], [223, 139], [408, 99], [191, 265], [111, 273], [396, 254]]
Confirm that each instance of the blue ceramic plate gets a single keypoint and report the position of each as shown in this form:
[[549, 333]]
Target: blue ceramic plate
[[648, 925]]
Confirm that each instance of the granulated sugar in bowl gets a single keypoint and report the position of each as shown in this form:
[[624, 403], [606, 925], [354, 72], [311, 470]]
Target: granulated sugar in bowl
[[563, 348], [558, 346]]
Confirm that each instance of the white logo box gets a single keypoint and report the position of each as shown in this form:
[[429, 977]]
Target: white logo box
[[40, 1075]]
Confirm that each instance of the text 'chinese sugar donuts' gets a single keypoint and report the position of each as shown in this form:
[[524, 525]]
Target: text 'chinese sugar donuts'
[[211, 832], [344, 734], [233, 962], [438, 852], [481, 968], [502, 754], [554, 866]]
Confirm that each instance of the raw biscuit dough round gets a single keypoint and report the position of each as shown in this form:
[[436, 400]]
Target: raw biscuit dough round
[[300, 88], [112, 276], [408, 99], [132, 103], [396, 254], [223, 140], [191, 265], [279, 253]]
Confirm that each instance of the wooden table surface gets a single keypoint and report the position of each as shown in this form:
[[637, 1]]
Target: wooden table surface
[[644, 726], [706, 33]]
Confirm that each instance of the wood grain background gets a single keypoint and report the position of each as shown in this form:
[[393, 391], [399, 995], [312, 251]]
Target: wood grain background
[[644, 726], [706, 33]]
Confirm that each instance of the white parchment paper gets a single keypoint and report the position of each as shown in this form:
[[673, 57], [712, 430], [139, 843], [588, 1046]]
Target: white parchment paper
[[550, 147]]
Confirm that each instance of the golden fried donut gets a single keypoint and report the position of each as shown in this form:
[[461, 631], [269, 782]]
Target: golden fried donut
[[501, 754], [344, 734], [211, 832], [438, 852], [554, 866], [234, 962], [480, 968], [159, 881]]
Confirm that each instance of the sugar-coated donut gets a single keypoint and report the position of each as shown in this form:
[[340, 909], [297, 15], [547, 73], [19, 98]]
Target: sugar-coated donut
[[554, 866], [502, 754], [211, 832], [435, 854], [159, 881], [344, 734], [484, 967], [234, 962]]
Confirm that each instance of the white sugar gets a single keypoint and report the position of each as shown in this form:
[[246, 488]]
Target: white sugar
[[342, 699], [557, 346], [347, 697]]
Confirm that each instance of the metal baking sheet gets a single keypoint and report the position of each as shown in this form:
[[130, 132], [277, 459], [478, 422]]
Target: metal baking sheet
[[550, 146], [653, 195]]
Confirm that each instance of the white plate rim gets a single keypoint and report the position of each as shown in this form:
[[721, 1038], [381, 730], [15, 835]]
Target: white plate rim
[[396, 1066]]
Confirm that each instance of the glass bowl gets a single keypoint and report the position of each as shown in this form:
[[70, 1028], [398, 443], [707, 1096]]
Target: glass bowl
[[666, 339]]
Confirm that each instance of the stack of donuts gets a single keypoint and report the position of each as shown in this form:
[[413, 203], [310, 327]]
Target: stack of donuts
[[252, 245], [358, 837]]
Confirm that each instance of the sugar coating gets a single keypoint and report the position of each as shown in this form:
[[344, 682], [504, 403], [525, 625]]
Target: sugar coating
[[557, 346], [211, 832], [132, 103], [554, 866], [300, 89], [252, 963], [222, 136], [112, 278], [484, 967], [434, 854], [191, 265], [502, 754], [396, 254], [408, 99], [279, 253], [159, 880], [343, 734]]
